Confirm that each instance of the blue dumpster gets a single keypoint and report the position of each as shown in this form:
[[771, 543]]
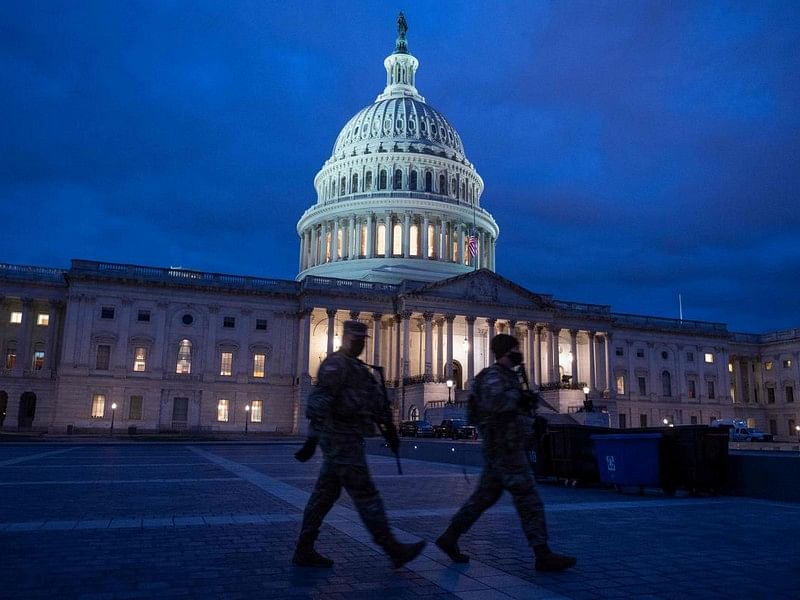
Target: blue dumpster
[[629, 459]]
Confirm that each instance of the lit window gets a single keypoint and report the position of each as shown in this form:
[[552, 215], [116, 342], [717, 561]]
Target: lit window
[[98, 406], [730, 367], [43, 319], [107, 312], [259, 362], [226, 363], [184, 357], [139, 359], [16, 317], [256, 409], [431, 240], [222, 411], [709, 357], [414, 245], [103, 356], [135, 408], [11, 356], [362, 251], [620, 384], [397, 239], [339, 242], [768, 365], [38, 360], [787, 363], [381, 239]]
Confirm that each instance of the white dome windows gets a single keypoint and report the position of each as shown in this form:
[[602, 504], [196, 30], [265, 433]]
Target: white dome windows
[[368, 181], [412, 180], [397, 181]]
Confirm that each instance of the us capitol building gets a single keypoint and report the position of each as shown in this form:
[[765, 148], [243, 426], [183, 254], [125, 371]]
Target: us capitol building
[[398, 239]]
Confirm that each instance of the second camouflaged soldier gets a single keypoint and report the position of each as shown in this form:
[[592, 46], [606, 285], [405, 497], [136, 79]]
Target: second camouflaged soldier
[[504, 426], [346, 405]]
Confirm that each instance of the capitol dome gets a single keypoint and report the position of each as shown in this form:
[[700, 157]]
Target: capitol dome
[[397, 199]]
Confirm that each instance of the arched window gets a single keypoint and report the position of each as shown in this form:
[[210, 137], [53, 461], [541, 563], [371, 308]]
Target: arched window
[[339, 243], [463, 191], [413, 414], [342, 185], [382, 180], [666, 383], [397, 184], [368, 181], [442, 184], [397, 239], [454, 186], [354, 184], [184, 357], [428, 182], [412, 180], [381, 240]]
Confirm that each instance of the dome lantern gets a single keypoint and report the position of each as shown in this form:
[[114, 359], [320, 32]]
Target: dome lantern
[[401, 68]]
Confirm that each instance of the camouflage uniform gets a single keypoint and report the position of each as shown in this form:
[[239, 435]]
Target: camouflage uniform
[[504, 431], [344, 408]]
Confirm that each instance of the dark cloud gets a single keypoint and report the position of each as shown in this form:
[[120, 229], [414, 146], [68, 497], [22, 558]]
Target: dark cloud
[[631, 151]]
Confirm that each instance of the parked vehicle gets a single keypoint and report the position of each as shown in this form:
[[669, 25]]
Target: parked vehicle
[[455, 429], [416, 429], [740, 432]]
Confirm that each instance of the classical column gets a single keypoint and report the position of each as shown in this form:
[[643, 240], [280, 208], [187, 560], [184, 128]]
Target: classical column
[[531, 352], [302, 253], [425, 224], [573, 348], [52, 333], [592, 361], [406, 316], [370, 237], [440, 350], [314, 258], [609, 383], [388, 233], [631, 374], [324, 245], [428, 319], [460, 253], [305, 342], [652, 384], [397, 348], [724, 377], [555, 374], [490, 322], [331, 312], [376, 338], [25, 347], [119, 358], [448, 247], [449, 367], [437, 240], [737, 375], [470, 348], [406, 234], [335, 241]]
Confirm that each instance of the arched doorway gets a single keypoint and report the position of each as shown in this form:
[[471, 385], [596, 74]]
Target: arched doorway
[[413, 413], [27, 410], [3, 406], [458, 375]]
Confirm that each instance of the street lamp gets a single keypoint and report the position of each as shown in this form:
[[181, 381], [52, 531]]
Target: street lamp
[[113, 410], [450, 384], [587, 404], [246, 417], [797, 430]]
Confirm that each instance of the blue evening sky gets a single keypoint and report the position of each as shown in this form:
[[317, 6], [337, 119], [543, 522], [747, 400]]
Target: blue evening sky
[[631, 151]]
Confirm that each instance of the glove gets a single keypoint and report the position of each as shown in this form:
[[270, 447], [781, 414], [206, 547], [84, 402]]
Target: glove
[[307, 451], [391, 437]]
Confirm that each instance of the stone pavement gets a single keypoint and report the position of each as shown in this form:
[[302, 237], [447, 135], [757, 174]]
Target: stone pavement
[[201, 520]]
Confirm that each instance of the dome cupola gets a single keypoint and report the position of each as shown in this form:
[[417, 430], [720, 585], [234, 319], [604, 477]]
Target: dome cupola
[[397, 199]]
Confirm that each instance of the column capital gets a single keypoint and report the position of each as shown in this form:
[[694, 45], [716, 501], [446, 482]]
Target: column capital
[[331, 312], [573, 333], [530, 324], [591, 334], [55, 304], [405, 315], [491, 321], [377, 317], [27, 302], [554, 329], [512, 323], [449, 318], [427, 316], [303, 313], [470, 319], [354, 314]]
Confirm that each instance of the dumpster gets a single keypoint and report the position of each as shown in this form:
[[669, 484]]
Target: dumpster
[[629, 459], [571, 453]]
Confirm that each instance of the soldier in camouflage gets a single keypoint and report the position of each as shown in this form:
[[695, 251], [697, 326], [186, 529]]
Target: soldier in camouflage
[[505, 423], [345, 405]]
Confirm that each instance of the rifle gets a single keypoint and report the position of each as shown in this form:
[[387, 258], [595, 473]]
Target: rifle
[[387, 429]]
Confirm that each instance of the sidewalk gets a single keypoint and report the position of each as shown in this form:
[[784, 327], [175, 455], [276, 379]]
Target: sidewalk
[[220, 521]]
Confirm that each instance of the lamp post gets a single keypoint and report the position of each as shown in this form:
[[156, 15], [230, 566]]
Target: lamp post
[[587, 404], [797, 430], [246, 417], [450, 384], [113, 410]]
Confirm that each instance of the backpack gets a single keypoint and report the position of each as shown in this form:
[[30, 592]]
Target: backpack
[[473, 401]]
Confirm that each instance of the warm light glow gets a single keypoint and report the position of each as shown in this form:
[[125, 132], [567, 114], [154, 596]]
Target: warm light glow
[[43, 319], [450, 383], [465, 345], [337, 343], [586, 390], [222, 411], [113, 406], [246, 408], [16, 317], [666, 421]]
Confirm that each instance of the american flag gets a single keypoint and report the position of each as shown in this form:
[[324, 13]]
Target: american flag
[[472, 244]]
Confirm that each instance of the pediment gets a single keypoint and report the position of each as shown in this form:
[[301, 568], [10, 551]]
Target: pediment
[[483, 287]]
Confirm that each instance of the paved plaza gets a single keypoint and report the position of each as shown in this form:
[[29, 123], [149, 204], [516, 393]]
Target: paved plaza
[[204, 520]]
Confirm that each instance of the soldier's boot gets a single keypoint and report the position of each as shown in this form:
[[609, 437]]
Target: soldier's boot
[[306, 556], [401, 553], [547, 560], [448, 543]]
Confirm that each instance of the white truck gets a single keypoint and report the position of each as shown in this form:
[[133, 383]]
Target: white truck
[[740, 432]]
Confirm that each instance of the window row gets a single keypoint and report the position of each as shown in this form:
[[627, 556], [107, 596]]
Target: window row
[[183, 361], [708, 357], [37, 359], [426, 181], [666, 385], [143, 316], [769, 365], [788, 394], [253, 411], [15, 318]]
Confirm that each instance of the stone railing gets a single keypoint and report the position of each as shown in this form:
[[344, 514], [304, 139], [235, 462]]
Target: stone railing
[[31, 273], [313, 282], [601, 309], [666, 323]]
